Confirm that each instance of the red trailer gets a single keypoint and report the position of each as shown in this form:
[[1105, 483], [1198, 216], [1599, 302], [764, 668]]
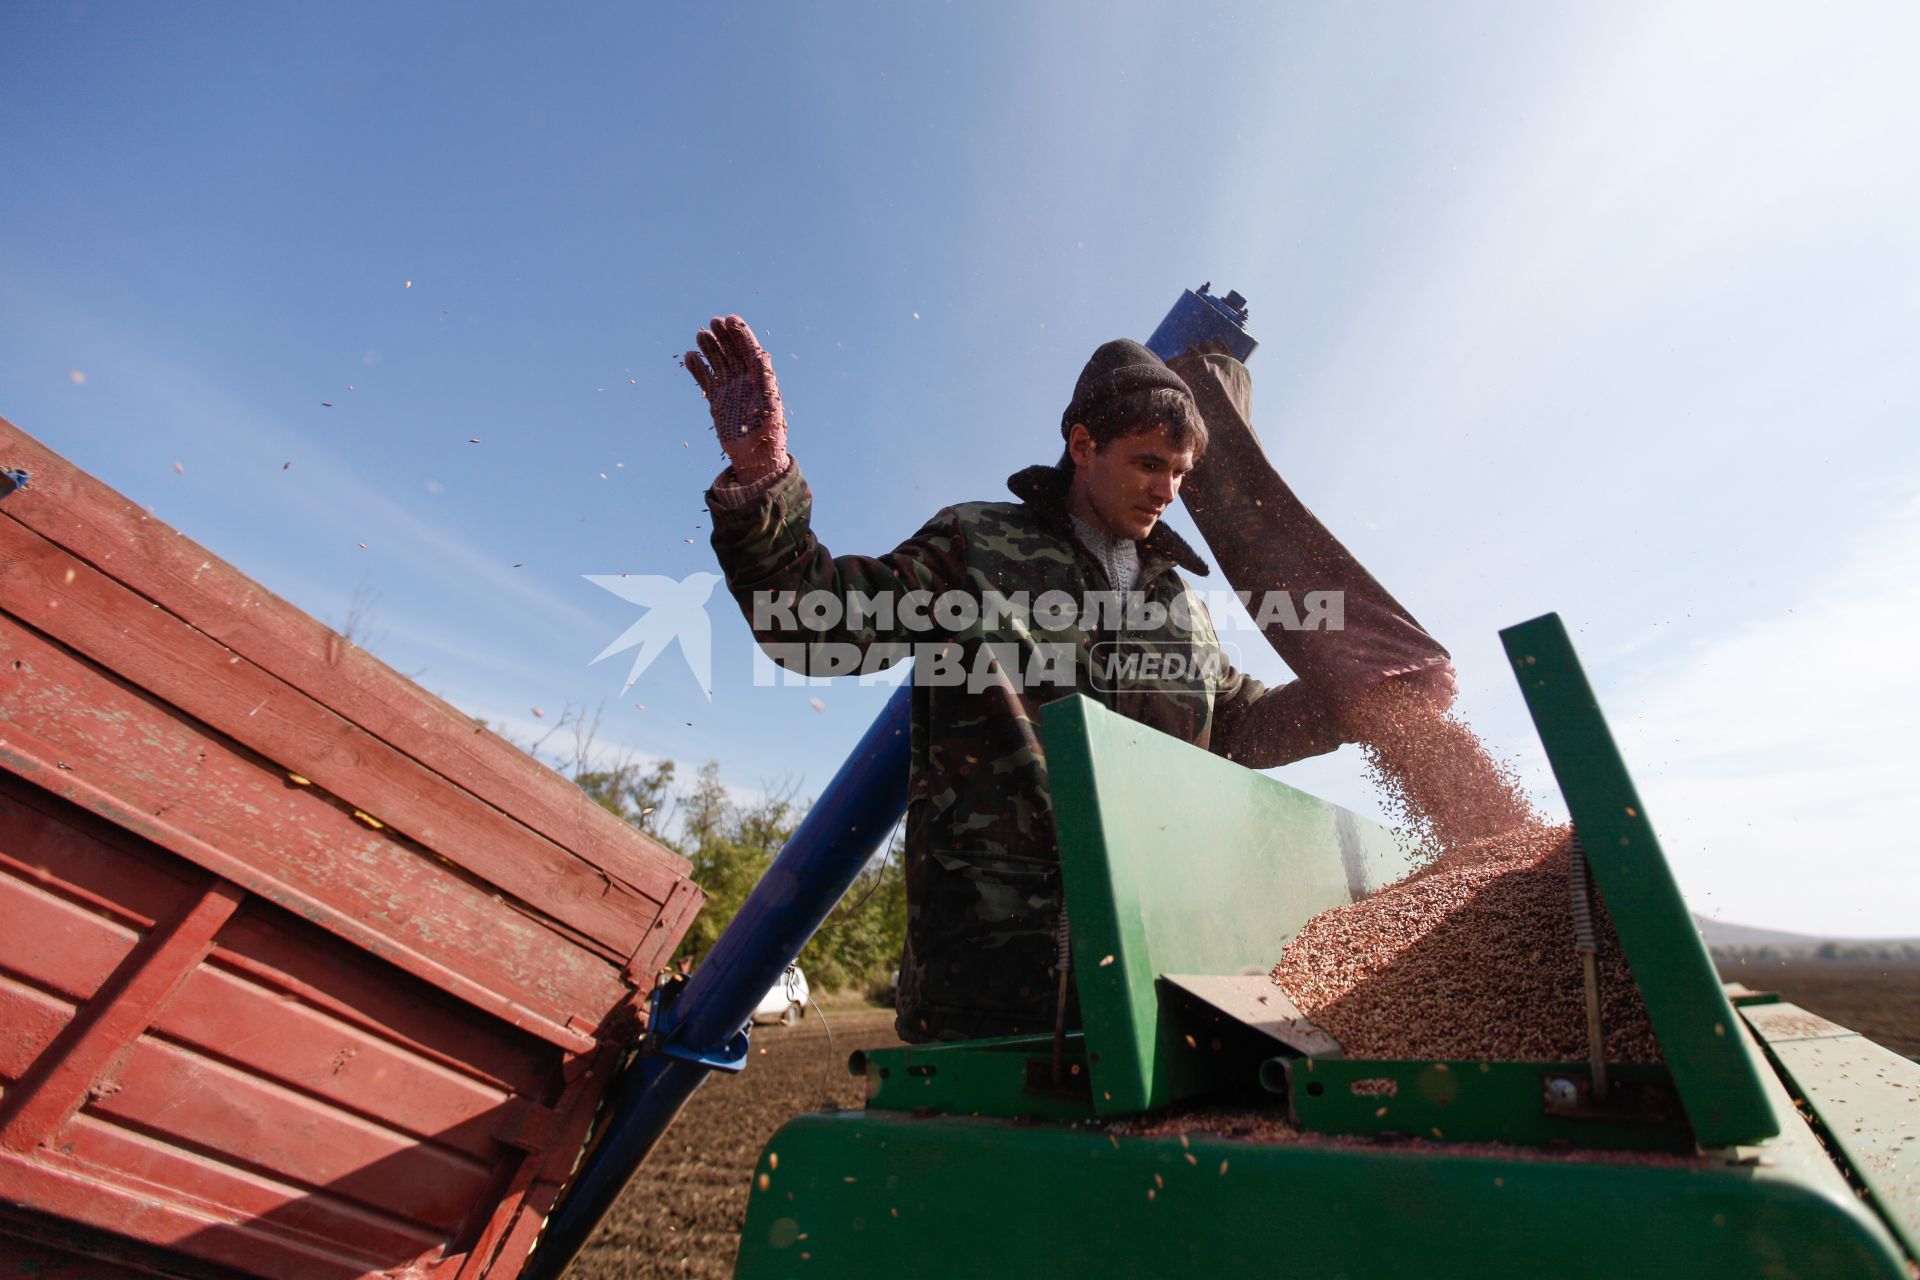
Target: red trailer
[[303, 973]]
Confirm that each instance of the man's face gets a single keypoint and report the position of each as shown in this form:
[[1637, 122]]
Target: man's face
[[1128, 485]]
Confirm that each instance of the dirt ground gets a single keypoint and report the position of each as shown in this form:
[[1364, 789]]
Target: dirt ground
[[681, 1215]]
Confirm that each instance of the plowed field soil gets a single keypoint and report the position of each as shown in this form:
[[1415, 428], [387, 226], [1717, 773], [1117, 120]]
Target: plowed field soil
[[681, 1215]]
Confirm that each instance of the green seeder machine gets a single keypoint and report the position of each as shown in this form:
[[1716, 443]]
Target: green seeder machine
[[1769, 1142]]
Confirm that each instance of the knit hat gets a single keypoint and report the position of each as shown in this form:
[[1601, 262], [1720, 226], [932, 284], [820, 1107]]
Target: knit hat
[[1118, 368]]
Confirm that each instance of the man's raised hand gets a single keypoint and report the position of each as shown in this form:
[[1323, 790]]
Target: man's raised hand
[[736, 376]]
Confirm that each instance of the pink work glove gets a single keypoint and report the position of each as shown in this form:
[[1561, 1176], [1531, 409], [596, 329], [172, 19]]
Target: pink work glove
[[736, 376]]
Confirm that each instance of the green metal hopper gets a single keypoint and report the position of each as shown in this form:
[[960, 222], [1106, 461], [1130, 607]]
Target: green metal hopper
[[1768, 1143]]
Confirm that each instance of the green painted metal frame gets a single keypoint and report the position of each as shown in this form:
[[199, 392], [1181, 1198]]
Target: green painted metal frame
[[1486, 1102], [878, 1194], [975, 1078], [1863, 1098], [1157, 883], [1718, 1081], [927, 1178]]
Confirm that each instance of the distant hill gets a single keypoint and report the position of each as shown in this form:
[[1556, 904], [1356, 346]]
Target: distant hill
[[1725, 939]]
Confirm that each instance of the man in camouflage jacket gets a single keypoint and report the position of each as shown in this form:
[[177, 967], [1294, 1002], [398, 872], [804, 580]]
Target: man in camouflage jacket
[[982, 870]]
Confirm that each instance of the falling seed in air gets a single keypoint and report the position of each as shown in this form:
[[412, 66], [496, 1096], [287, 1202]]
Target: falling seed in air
[[178, 469], [76, 377], [539, 714], [409, 284], [639, 706], [326, 404], [817, 705], [1105, 961], [286, 466], [603, 475], [683, 444], [520, 564], [916, 315], [363, 546], [473, 439], [643, 813]]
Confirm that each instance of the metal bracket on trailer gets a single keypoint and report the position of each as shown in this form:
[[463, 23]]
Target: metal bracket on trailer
[[663, 1027]]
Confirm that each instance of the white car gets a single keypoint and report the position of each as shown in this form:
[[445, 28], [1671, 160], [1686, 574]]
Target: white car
[[786, 1003]]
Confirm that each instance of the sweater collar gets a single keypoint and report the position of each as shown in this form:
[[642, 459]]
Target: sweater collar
[[1044, 490]]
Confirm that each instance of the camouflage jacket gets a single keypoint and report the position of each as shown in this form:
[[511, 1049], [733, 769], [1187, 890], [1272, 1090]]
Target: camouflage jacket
[[982, 872]]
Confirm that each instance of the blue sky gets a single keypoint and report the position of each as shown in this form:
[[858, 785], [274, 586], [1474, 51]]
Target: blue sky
[[1609, 310]]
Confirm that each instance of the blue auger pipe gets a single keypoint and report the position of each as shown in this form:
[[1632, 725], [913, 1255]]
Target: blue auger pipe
[[702, 1026]]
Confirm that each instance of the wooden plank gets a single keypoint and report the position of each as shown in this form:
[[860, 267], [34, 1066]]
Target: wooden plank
[[67, 935], [36, 1108], [521, 1215], [287, 955], [23, 1258], [30, 1020], [90, 520], [69, 600], [340, 1064], [56, 945], [113, 740], [225, 1114], [89, 862], [671, 925], [17, 756], [132, 1158], [515, 1217], [73, 1192]]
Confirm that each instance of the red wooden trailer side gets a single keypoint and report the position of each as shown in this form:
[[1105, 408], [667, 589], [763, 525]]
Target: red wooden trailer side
[[302, 972]]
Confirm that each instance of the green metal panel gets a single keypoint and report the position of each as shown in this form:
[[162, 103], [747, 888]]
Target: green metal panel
[[1489, 1102], [1698, 1033], [975, 1078], [884, 1194], [1866, 1099], [1177, 861]]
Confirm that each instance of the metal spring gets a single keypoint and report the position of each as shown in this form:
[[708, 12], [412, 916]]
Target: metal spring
[[1063, 950], [1584, 940], [1587, 946]]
